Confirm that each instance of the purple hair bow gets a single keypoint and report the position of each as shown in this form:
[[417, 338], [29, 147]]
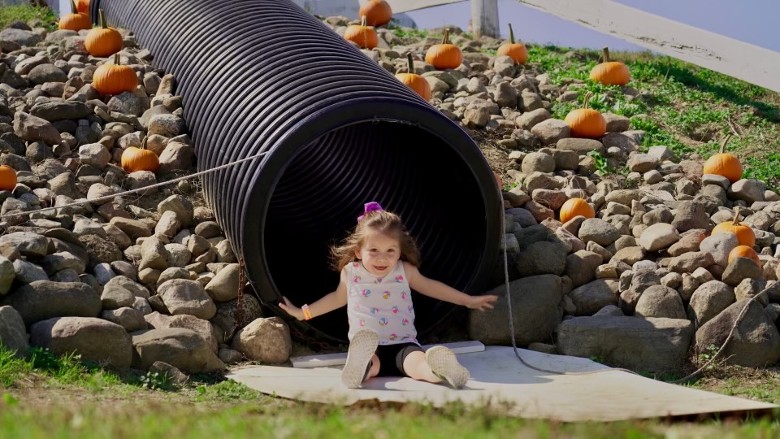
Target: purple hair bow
[[369, 207]]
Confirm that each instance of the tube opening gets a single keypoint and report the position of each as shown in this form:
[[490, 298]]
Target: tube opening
[[407, 169]]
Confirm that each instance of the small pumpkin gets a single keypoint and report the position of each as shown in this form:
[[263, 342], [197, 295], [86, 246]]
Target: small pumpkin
[[445, 55], [414, 81], [362, 35], [743, 251], [610, 72], [139, 159], [103, 40], [113, 79], [377, 12], [586, 122], [512, 49], [83, 6], [745, 234], [724, 163], [75, 20], [7, 178], [576, 207]]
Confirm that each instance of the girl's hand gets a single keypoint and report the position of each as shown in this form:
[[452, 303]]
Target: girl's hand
[[481, 303], [291, 309]]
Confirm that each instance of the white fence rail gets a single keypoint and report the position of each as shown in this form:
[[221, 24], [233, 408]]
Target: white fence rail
[[750, 63], [735, 58]]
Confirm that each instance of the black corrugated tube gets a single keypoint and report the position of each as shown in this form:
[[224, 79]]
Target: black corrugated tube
[[264, 75]]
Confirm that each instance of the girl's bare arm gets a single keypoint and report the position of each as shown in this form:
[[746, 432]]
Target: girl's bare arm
[[324, 305], [442, 291]]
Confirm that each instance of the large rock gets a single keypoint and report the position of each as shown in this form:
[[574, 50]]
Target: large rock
[[13, 334], [43, 299], [709, 300], [183, 296], [7, 275], [182, 348], [651, 345], [224, 286], [266, 340], [755, 343], [535, 309], [660, 301], [593, 296], [93, 339], [204, 328]]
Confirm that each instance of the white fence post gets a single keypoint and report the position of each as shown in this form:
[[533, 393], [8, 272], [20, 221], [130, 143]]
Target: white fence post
[[484, 18]]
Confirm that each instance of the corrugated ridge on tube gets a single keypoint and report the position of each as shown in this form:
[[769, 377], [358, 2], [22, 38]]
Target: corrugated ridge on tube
[[264, 75]]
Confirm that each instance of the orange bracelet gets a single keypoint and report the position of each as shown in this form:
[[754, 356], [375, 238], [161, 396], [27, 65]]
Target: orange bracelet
[[306, 312]]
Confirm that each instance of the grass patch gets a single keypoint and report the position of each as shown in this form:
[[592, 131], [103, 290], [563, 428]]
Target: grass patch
[[12, 368], [744, 382], [27, 13], [152, 420], [679, 105]]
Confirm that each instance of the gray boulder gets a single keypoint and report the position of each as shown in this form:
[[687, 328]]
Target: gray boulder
[[93, 339], [651, 345], [536, 311]]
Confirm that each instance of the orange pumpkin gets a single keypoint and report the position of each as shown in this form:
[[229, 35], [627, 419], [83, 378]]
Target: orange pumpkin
[[113, 79], [744, 233], [377, 12], [586, 122], [516, 51], [139, 159], [414, 81], [610, 72], [362, 35], [743, 251], [83, 6], [576, 207], [444, 55], [103, 40], [724, 163], [7, 178], [75, 20]]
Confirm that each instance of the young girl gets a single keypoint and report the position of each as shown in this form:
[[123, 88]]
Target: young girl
[[378, 264]]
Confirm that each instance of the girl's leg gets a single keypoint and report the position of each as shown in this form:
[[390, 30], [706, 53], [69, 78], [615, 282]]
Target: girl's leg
[[438, 364], [416, 367], [373, 368], [362, 350]]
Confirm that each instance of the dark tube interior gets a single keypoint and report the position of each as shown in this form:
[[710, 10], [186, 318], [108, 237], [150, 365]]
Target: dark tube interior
[[337, 130]]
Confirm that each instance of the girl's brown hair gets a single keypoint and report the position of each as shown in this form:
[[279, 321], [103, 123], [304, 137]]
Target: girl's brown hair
[[380, 221]]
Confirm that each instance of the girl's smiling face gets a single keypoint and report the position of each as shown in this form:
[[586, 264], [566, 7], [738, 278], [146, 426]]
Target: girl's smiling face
[[379, 253]]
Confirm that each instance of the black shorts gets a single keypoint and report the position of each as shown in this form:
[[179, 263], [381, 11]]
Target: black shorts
[[392, 356]]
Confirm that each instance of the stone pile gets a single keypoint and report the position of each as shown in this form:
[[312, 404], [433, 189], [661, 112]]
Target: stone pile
[[128, 281], [138, 280]]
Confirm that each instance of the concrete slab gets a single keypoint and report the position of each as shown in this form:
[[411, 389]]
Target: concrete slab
[[585, 391]]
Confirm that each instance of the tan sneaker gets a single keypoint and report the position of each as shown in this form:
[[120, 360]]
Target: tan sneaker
[[444, 364], [361, 349]]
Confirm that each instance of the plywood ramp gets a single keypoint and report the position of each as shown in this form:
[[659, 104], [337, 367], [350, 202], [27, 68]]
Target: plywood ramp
[[588, 392]]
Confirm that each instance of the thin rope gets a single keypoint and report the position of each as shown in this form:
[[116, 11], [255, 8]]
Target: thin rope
[[240, 299], [133, 191]]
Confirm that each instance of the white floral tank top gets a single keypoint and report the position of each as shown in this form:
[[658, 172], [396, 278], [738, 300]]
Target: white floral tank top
[[382, 304]]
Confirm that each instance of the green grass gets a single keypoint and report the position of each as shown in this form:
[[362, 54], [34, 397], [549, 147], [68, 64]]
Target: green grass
[[408, 33], [25, 13], [687, 108], [43, 396]]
